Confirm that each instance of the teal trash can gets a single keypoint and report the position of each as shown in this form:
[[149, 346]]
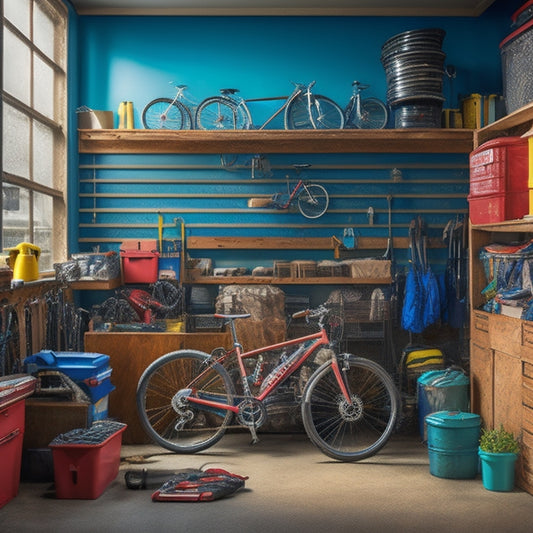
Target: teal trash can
[[453, 441], [440, 390]]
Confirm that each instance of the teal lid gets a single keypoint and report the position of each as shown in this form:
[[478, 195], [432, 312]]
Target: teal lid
[[453, 419], [443, 378]]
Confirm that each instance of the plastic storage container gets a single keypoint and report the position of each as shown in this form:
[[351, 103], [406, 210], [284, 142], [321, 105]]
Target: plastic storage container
[[516, 52], [498, 166], [439, 390], [13, 390], [139, 266], [498, 207], [90, 371], [453, 440], [84, 470]]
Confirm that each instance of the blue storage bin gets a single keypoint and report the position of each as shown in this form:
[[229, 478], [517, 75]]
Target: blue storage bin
[[90, 371], [440, 390], [453, 440]]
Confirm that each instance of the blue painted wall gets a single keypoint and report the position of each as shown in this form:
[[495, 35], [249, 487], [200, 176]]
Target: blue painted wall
[[135, 58]]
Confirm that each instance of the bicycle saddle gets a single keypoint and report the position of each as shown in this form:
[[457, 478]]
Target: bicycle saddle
[[229, 91], [218, 315]]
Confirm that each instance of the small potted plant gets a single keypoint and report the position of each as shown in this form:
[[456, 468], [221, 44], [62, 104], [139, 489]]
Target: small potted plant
[[498, 451]]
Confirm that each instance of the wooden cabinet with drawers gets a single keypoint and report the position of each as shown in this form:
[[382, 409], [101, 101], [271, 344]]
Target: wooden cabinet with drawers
[[501, 347]]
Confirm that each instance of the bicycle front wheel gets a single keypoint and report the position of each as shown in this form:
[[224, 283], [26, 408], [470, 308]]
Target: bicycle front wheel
[[168, 417], [326, 114], [374, 115], [220, 113], [313, 201], [355, 430], [164, 114]]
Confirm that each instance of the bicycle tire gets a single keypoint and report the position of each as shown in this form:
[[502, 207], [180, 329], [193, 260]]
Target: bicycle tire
[[157, 396], [326, 114], [374, 115], [350, 432], [221, 113], [313, 201], [157, 115], [296, 116]]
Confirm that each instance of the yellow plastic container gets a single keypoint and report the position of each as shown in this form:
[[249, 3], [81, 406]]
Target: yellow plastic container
[[472, 107]]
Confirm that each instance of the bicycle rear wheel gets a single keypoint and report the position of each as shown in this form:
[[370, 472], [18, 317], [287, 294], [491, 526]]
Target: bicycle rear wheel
[[163, 114], [350, 431], [297, 115], [327, 115], [374, 115], [313, 201], [165, 413], [220, 113]]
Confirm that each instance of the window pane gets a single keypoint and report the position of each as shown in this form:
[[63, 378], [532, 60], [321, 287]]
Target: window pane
[[43, 31], [43, 81], [16, 135], [18, 13], [16, 67], [43, 154], [16, 221], [43, 214]]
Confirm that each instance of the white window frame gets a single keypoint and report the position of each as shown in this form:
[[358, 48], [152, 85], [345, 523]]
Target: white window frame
[[57, 192]]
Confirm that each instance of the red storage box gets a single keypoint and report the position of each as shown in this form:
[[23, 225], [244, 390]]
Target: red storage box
[[139, 266], [11, 435], [84, 471], [498, 166], [498, 207]]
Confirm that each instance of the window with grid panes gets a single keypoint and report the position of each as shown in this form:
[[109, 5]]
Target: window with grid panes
[[34, 111]]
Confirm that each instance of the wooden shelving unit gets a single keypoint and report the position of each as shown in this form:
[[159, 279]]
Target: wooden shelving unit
[[413, 140]]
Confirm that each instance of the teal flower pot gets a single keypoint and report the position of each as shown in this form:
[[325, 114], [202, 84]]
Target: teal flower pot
[[497, 470]]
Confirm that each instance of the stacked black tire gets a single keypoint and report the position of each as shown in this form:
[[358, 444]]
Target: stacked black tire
[[414, 67]]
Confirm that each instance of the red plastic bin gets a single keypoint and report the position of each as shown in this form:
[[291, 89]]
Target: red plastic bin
[[498, 166], [139, 266], [498, 207], [84, 471], [11, 435]]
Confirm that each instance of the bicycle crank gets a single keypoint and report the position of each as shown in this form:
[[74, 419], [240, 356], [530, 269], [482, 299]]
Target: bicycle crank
[[252, 413]]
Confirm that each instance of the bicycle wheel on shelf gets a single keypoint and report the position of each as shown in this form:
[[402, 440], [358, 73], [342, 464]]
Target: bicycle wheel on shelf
[[220, 113], [313, 200], [350, 431], [164, 114], [374, 115], [168, 417], [296, 116], [326, 114]]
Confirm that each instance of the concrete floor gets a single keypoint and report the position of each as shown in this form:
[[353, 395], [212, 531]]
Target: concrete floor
[[291, 487]]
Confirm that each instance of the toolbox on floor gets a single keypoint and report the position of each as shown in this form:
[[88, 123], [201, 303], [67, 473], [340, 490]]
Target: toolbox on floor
[[86, 461], [13, 390]]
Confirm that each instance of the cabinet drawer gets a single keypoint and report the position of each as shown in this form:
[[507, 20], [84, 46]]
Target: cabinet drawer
[[480, 328], [527, 341], [527, 419], [505, 334]]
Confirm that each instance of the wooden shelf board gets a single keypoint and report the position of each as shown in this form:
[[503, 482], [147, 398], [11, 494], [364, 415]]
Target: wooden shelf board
[[266, 280], [412, 140]]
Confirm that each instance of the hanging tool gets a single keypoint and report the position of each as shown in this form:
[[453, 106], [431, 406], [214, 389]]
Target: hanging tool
[[389, 254], [160, 231], [370, 215]]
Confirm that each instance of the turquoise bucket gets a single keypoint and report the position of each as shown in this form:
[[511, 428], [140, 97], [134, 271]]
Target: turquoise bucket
[[497, 470]]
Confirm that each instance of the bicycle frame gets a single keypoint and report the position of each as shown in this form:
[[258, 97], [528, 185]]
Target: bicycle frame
[[319, 339], [300, 88]]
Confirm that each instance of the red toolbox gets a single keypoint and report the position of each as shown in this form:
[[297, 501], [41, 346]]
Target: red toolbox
[[498, 166], [13, 390]]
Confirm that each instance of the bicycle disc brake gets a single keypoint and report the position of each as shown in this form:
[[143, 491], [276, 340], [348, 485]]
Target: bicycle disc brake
[[351, 411]]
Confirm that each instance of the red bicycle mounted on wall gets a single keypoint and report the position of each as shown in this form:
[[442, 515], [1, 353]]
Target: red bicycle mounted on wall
[[349, 405]]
